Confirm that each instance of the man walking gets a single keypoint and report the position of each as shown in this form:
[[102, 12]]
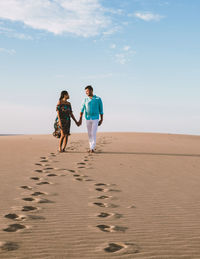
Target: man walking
[[93, 107]]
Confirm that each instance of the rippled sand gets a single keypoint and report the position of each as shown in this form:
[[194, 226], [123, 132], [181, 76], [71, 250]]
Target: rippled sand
[[136, 197]]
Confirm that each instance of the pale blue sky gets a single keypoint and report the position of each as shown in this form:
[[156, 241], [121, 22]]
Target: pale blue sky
[[141, 56]]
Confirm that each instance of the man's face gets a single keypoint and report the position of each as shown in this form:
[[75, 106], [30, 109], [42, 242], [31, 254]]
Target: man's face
[[88, 92]]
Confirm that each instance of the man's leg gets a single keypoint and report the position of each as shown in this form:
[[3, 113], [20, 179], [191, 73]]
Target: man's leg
[[89, 129], [94, 133]]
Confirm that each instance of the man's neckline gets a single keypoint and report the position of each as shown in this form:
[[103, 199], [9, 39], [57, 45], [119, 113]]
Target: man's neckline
[[92, 96]]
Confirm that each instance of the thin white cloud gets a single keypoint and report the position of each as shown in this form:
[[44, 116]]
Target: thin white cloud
[[7, 51], [113, 46], [80, 17], [124, 57], [147, 16], [123, 54], [121, 58], [126, 48], [112, 30]]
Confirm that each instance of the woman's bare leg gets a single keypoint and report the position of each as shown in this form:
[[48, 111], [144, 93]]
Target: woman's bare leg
[[61, 141], [65, 142]]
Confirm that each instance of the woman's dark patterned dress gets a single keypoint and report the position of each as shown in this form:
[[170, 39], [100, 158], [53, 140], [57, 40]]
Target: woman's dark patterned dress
[[65, 110]]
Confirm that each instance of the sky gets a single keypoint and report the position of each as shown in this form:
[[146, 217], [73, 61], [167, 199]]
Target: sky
[[142, 57]]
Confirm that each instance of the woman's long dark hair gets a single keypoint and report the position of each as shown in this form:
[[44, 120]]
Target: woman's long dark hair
[[63, 93]]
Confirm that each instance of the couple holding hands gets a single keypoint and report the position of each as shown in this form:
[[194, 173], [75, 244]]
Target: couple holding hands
[[93, 108]]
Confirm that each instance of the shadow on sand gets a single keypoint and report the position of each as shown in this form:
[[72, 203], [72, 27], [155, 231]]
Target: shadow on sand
[[139, 153]]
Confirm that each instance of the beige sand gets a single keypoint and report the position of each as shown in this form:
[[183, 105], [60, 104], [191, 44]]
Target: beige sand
[[137, 197]]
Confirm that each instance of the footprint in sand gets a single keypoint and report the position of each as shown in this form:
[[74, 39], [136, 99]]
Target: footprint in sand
[[113, 247], [26, 187], [29, 208], [44, 161], [114, 190], [42, 183], [38, 171], [45, 201], [14, 228], [14, 216], [71, 171], [105, 215], [48, 168], [82, 178], [38, 193], [101, 184], [35, 178], [51, 175], [9, 246], [105, 205], [79, 179], [101, 190], [28, 199], [102, 197], [106, 228], [128, 248], [100, 204]]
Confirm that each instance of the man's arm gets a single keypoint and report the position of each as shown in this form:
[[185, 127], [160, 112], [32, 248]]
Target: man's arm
[[101, 119], [80, 119], [100, 111], [81, 113]]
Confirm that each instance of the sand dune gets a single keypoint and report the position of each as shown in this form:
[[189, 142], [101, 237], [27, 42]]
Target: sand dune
[[136, 197]]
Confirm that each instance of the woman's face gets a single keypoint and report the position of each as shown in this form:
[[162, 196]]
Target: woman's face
[[66, 96]]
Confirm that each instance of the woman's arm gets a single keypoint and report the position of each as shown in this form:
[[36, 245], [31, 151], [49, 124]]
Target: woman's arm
[[73, 118], [72, 115], [59, 122]]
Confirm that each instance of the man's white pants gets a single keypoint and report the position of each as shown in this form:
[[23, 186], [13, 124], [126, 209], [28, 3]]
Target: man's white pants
[[92, 126]]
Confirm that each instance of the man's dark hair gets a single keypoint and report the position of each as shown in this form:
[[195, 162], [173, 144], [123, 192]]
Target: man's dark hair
[[89, 87]]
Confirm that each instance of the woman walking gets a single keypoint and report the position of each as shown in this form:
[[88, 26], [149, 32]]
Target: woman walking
[[65, 114]]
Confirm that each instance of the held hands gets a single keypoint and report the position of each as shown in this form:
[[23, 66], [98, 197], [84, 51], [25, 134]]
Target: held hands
[[100, 122], [78, 123]]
